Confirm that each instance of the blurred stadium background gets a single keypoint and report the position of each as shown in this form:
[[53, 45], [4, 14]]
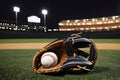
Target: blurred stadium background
[[102, 27]]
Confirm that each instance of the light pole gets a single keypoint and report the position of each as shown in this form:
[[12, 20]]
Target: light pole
[[44, 12], [16, 10]]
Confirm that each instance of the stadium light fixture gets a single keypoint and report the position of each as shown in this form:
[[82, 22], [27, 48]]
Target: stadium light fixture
[[44, 12], [16, 10]]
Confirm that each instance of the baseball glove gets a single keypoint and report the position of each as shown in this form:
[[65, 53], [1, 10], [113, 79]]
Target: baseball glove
[[74, 54]]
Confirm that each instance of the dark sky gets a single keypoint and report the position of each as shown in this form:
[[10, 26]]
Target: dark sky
[[58, 9]]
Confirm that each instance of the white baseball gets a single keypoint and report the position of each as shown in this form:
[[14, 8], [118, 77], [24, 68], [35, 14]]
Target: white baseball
[[49, 59]]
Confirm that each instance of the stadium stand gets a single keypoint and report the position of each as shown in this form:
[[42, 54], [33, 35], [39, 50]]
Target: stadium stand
[[104, 27], [94, 24], [12, 27]]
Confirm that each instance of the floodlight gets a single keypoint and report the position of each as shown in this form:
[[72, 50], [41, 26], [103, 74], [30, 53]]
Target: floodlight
[[44, 12], [16, 9]]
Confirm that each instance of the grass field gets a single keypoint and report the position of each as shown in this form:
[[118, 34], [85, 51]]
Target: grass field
[[17, 65], [50, 40]]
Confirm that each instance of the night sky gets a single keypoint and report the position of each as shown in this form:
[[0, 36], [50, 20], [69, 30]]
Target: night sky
[[58, 10]]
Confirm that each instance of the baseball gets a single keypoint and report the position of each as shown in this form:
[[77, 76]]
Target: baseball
[[49, 59]]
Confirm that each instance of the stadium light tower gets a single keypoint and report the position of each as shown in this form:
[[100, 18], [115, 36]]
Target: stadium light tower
[[44, 12], [16, 10]]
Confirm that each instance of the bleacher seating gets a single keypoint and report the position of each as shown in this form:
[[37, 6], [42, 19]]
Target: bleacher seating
[[93, 24]]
